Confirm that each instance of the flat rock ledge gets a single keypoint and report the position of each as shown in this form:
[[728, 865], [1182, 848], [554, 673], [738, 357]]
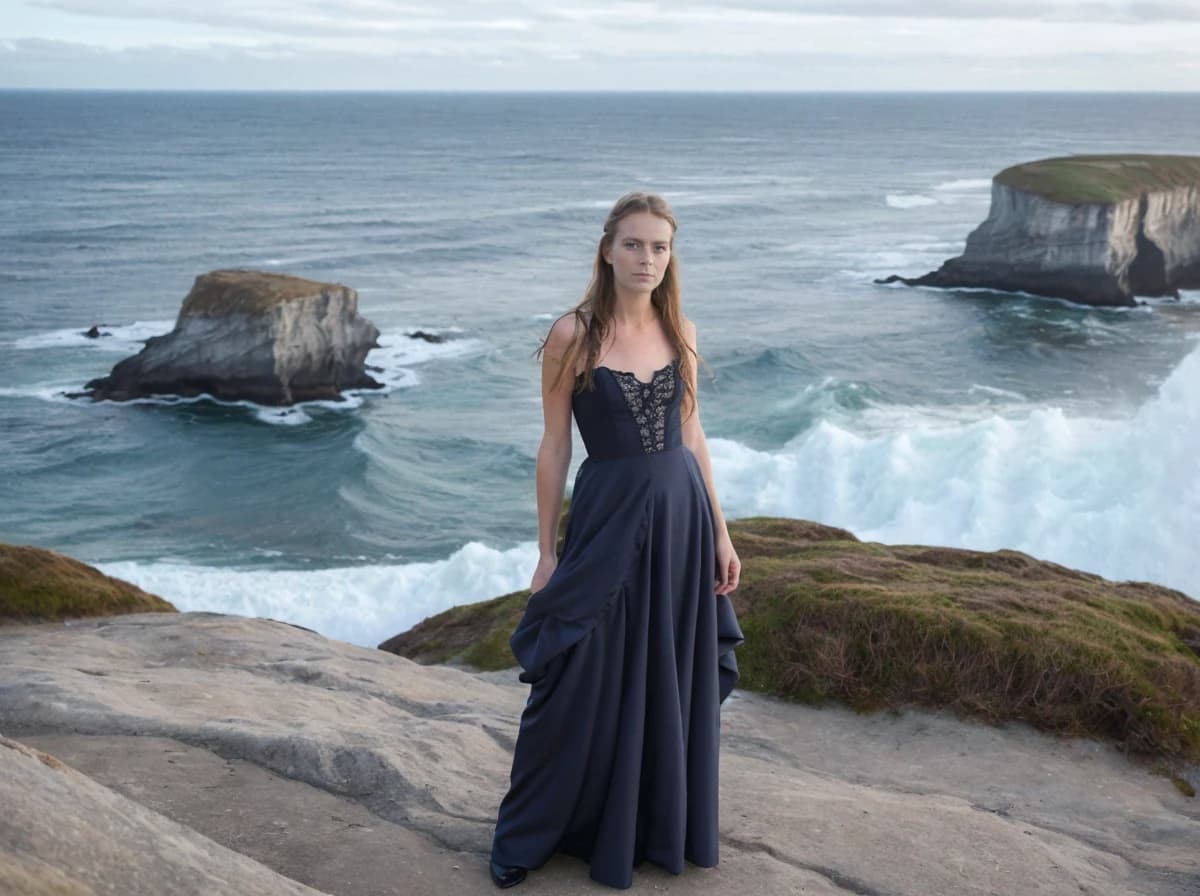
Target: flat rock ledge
[[267, 338], [355, 771], [1097, 230]]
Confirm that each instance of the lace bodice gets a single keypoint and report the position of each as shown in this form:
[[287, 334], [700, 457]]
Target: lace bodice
[[624, 416], [648, 402]]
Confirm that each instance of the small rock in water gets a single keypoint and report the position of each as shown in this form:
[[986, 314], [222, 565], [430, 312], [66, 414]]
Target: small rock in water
[[428, 337]]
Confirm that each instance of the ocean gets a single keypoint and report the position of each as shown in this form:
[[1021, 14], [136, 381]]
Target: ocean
[[969, 419]]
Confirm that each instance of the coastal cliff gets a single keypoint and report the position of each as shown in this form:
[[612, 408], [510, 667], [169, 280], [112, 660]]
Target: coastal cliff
[[1094, 229], [356, 772], [138, 750], [248, 335]]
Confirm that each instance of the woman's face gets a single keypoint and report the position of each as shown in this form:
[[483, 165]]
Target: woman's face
[[640, 252]]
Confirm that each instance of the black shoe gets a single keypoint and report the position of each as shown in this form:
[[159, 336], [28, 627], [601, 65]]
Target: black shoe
[[507, 875]]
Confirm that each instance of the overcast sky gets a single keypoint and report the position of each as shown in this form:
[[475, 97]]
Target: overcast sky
[[597, 45]]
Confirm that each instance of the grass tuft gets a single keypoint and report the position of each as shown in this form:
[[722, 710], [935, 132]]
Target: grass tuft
[[37, 585]]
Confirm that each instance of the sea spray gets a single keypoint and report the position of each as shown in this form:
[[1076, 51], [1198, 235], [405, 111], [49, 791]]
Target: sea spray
[[1118, 497], [360, 604]]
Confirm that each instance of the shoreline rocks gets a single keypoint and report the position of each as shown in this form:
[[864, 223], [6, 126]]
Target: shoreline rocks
[[280, 744], [268, 338], [63, 833], [1094, 229]]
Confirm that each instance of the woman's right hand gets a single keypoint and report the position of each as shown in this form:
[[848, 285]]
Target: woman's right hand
[[541, 575]]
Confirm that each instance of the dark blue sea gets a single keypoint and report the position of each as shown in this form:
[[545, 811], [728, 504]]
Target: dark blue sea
[[906, 415]]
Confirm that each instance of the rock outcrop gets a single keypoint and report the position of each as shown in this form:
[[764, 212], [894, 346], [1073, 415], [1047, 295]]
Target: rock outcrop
[[1094, 229], [358, 772], [64, 834], [247, 335], [998, 635]]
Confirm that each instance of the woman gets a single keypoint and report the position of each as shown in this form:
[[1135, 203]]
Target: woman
[[627, 640]]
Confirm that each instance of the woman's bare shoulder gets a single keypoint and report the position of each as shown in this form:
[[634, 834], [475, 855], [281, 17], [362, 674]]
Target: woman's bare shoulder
[[689, 330], [564, 331]]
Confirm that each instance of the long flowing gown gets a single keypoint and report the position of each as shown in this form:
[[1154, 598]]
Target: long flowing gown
[[628, 652]]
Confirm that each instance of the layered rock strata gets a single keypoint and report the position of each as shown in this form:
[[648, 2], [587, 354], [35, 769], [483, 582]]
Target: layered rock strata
[[247, 335], [1098, 230]]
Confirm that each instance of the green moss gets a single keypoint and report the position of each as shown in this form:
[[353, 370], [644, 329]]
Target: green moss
[[475, 634], [37, 585], [994, 635], [1102, 178]]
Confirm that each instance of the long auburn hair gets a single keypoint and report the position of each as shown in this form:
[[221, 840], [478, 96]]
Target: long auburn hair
[[594, 313]]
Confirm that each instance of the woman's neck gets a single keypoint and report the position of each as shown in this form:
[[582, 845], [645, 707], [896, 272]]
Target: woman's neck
[[634, 310]]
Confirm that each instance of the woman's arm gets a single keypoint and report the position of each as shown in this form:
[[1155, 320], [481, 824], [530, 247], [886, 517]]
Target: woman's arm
[[554, 452], [729, 567]]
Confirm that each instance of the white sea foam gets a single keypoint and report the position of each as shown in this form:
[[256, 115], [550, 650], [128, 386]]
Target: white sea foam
[[1118, 497], [909, 200], [1159, 300], [965, 184], [40, 391], [360, 604], [123, 338], [995, 390]]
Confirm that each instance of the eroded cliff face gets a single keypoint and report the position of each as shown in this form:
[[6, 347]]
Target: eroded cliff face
[[1091, 252], [1171, 225], [262, 337]]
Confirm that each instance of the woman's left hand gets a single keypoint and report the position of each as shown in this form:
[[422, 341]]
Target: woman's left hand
[[729, 567]]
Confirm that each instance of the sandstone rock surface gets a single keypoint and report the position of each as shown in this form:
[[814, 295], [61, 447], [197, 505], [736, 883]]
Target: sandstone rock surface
[[249, 335], [63, 834], [813, 800], [1098, 230]]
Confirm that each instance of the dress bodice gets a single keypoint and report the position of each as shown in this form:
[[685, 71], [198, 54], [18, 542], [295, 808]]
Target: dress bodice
[[624, 416]]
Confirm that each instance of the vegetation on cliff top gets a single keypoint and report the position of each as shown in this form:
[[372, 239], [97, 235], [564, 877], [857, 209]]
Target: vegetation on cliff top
[[1102, 178], [247, 292], [37, 585], [994, 635]]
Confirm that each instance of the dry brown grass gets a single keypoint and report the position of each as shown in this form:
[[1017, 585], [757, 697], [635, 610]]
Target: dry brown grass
[[37, 585], [247, 292]]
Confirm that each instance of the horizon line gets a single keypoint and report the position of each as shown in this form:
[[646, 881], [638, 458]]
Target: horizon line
[[482, 91]]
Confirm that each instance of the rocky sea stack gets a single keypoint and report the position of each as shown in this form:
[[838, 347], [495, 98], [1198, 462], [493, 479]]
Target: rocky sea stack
[[249, 335], [1095, 229]]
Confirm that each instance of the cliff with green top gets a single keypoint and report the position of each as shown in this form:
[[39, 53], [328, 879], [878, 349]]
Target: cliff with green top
[[1095, 229]]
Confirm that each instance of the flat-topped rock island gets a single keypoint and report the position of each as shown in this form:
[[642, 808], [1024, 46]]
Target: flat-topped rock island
[[1093, 229], [269, 338]]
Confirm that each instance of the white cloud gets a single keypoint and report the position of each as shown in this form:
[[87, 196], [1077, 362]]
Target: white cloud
[[700, 44]]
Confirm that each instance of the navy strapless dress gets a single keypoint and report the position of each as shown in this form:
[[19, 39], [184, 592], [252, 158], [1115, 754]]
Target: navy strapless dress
[[628, 652]]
